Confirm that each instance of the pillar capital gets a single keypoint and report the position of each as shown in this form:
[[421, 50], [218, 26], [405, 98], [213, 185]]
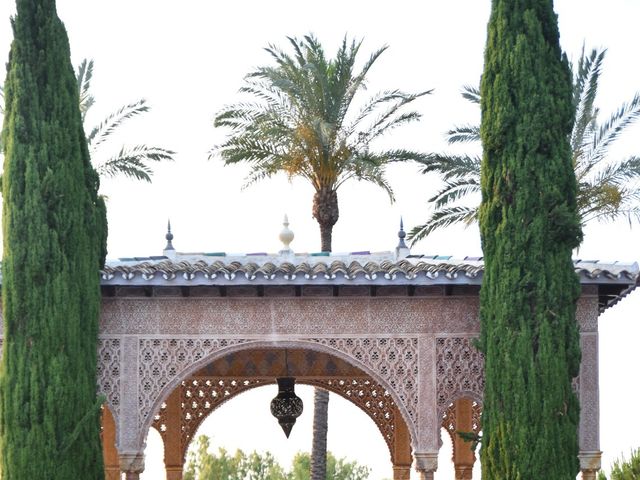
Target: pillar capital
[[589, 463], [132, 462], [426, 461]]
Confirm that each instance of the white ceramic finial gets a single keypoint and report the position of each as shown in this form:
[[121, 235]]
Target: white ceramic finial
[[286, 236]]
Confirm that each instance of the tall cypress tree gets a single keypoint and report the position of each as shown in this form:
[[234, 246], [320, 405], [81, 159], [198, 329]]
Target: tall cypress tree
[[529, 227], [54, 230]]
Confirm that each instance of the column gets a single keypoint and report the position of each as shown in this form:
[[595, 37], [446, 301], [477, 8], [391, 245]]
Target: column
[[130, 441], [588, 389], [463, 456], [109, 451], [428, 441], [173, 448], [401, 458]]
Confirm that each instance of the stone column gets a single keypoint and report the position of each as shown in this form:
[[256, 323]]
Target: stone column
[[428, 425], [463, 456], [173, 448], [588, 388], [130, 444], [401, 458], [426, 464]]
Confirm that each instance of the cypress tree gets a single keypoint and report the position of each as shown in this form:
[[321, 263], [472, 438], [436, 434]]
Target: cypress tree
[[529, 227], [54, 229]]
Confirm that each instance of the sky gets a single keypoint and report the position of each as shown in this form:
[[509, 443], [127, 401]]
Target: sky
[[188, 60]]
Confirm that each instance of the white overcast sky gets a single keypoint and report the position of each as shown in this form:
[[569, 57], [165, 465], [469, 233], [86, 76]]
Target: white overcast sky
[[188, 59]]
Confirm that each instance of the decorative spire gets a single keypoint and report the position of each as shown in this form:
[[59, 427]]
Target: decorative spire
[[286, 237], [402, 251], [169, 237], [401, 235]]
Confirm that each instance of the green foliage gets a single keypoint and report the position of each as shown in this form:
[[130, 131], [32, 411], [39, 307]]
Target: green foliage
[[203, 465], [529, 226], [625, 469], [54, 230], [608, 188], [133, 162], [299, 120]]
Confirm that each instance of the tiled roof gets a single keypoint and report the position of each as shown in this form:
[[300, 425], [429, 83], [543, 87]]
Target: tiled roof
[[356, 268]]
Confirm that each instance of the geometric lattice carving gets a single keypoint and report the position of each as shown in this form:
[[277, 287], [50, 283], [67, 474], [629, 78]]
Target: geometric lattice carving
[[161, 360], [109, 372], [370, 396], [394, 359], [459, 370], [199, 396]]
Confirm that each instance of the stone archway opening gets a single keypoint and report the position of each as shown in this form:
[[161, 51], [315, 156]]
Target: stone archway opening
[[203, 391]]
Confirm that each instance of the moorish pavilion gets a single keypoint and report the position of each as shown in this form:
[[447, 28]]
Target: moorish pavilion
[[391, 332]]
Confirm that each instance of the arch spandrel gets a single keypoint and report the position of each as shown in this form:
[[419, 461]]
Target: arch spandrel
[[165, 362]]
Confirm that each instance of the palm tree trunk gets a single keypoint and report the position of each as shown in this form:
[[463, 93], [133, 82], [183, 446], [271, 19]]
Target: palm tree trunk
[[326, 232], [320, 427], [325, 211]]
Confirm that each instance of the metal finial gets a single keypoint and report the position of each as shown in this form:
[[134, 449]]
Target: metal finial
[[401, 235], [169, 236]]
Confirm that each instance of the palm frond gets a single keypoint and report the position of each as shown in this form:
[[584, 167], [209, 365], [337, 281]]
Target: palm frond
[[610, 130], [101, 132], [471, 93], [133, 162], [463, 134], [585, 91], [452, 166], [388, 120], [83, 77], [442, 218], [454, 190]]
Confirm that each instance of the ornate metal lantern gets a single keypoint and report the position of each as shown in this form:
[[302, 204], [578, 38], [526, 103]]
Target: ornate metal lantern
[[286, 406]]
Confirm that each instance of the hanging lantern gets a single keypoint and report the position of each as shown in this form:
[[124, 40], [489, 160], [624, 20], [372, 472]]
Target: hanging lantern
[[286, 406]]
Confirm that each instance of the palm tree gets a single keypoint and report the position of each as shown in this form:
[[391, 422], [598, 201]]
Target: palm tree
[[133, 162], [607, 189], [299, 121]]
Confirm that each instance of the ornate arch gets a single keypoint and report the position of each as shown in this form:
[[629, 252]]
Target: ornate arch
[[164, 363], [201, 396]]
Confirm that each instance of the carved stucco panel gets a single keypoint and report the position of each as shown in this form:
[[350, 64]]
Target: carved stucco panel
[[359, 316], [589, 394], [459, 371], [109, 370]]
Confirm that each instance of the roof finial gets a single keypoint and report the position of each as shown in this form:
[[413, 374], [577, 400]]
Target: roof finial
[[169, 237], [402, 251], [286, 237]]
